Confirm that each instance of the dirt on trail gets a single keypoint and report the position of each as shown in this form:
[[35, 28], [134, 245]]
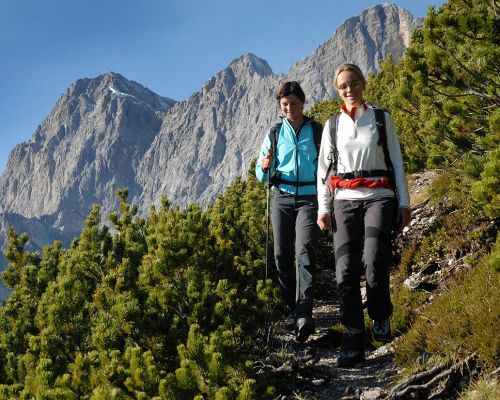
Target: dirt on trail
[[309, 370]]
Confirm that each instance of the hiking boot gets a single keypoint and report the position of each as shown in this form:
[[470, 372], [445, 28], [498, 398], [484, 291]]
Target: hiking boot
[[381, 330], [304, 328], [350, 358], [289, 321]]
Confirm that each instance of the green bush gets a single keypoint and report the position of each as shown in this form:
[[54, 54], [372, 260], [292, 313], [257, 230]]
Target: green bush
[[483, 389], [487, 190], [461, 321], [172, 306]]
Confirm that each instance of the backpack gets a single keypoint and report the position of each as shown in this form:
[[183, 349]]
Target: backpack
[[274, 135], [382, 141]]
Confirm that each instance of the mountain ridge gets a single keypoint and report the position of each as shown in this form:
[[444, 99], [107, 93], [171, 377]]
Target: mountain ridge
[[107, 132]]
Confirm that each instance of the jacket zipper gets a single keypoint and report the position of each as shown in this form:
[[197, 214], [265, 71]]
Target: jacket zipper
[[297, 157]]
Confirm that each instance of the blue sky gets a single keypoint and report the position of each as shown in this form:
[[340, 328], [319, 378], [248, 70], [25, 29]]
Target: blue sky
[[170, 46]]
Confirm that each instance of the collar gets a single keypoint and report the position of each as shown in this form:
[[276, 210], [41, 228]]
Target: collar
[[307, 120], [352, 114]]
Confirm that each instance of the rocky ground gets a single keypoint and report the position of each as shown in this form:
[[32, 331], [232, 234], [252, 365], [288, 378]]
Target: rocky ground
[[309, 371]]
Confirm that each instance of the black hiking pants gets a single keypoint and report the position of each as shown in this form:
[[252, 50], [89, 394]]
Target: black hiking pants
[[296, 236], [361, 234]]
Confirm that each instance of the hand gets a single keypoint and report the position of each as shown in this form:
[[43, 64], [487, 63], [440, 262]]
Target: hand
[[404, 215], [324, 221], [267, 161]]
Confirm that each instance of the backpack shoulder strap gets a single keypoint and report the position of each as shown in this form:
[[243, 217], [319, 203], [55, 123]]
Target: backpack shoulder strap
[[382, 136], [382, 140], [317, 132], [380, 120], [333, 154]]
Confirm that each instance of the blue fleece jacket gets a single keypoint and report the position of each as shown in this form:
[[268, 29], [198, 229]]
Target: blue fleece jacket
[[296, 159]]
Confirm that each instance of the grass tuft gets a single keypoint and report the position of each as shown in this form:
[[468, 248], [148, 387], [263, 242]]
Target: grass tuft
[[483, 389], [463, 320]]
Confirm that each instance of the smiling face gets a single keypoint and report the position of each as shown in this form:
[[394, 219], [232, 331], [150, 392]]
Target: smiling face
[[291, 106], [350, 88]]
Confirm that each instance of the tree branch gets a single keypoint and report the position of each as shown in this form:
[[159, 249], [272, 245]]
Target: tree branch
[[403, 390]]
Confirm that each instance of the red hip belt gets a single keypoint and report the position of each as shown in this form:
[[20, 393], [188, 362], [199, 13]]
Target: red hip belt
[[336, 182]]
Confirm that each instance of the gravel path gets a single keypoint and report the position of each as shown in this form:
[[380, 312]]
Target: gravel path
[[309, 370]]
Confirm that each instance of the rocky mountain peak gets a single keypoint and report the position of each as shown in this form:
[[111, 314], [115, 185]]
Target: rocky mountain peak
[[89, 145], [109, 132], [363, 40], [114, 84], [250, 63], [389, 20], [106, 93], [241, 70]]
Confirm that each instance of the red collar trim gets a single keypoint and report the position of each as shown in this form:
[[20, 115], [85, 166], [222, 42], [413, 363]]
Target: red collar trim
[[352, 114]]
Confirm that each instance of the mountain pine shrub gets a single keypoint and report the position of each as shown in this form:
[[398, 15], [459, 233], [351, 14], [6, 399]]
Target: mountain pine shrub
[[173, 305]]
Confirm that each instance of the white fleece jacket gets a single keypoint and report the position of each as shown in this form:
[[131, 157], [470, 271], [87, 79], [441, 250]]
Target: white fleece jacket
[[358, 150]]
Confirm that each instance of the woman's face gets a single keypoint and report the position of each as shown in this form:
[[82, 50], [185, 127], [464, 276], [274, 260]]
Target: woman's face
[[350, 88], [291, 106]]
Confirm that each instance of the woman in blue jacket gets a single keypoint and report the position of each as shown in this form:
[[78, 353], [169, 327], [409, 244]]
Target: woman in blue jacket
[[293, 166]]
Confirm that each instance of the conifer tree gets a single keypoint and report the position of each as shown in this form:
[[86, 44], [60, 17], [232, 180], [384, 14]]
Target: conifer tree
[[161, 307], [444, 94]]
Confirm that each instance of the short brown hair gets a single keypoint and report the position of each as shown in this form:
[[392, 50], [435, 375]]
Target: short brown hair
[[289, 88], [349, 67]]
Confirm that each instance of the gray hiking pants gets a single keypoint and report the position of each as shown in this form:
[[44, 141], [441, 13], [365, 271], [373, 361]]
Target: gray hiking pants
[[296, 236], [361, 234]]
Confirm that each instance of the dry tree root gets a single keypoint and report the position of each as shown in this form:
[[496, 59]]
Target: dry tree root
[[420, 384]]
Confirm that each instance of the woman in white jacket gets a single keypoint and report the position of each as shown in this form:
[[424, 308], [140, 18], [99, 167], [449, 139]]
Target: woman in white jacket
[[363, 210]]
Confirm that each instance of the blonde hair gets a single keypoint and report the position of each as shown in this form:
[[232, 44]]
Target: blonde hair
[[349, 67]]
